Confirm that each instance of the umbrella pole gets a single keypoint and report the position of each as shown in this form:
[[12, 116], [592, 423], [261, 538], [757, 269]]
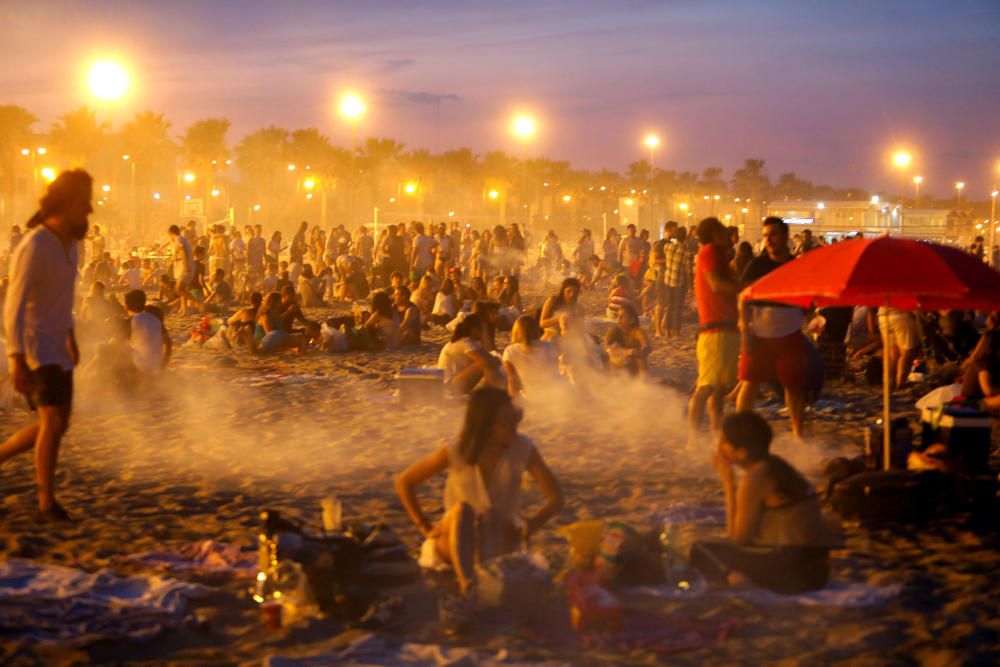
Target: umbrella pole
[[886, 393]]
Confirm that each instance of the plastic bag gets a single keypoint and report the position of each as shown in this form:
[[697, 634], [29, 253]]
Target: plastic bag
[[219, 341], [334, 340]]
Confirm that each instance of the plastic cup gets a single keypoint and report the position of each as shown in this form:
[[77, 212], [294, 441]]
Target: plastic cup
[[271, 612]]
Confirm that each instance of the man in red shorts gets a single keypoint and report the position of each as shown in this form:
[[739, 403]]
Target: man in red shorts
[[772, 343]]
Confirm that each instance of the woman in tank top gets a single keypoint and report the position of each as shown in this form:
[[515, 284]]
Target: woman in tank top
[[777, 535], [482, 494]]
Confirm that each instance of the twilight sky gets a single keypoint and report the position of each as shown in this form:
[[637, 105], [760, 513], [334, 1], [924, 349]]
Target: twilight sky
[[825, 88]]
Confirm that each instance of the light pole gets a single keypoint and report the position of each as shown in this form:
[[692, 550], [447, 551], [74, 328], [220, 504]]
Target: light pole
[[993, 225], [524, 127], [959, 186], [353, 107], [917, 180], [652, 142]]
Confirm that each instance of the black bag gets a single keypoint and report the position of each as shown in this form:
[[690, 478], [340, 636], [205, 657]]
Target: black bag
[[892, 496]]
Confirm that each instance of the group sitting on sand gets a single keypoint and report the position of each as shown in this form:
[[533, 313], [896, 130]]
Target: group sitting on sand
[[776, 536]]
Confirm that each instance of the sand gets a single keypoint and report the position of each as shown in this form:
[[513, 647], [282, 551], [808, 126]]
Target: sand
[[228, 435]]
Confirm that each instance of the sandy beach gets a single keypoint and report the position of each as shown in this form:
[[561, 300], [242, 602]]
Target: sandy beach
[[227, 435]]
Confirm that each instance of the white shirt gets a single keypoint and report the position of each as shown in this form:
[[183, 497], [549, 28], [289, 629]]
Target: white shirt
[[183, 258], [445, 304], [132, 278], [535, 365], [146, 342], [454, 357], [423, 247], [775, 321], [38, 313], [238, 249]]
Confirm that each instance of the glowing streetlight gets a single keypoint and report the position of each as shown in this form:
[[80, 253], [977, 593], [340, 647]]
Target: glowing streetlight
[[126, 157], [959, 186], [652, 142], [156, 195], [493, 194], [216, 192], [629, 202], [567, 198], [352, 106], [524, 127], [291, 167], [917, 180], [106, 188], [48, 173], [902, 159], [189, 177], [108, 81], [309, 184], [683, 206], [256, 207], [410, 188]]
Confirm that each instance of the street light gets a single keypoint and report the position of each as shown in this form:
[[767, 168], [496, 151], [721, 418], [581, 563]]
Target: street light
[[651, 141], [48, 173], [493, 194], [917, 180], [108, 81], [189, 177], [309, 184], [567, 198], [410, 188], [959, 186], [291, 167], [352, 107], [902, 159]]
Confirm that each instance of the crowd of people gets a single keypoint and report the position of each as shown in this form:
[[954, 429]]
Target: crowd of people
[[405, 279]]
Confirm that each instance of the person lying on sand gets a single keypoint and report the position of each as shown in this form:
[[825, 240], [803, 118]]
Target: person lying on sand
[[777, 537], [482, 496]]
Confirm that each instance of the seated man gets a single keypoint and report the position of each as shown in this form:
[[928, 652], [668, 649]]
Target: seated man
[[777, 536], [148, 338], [291, 312], [221, 294]]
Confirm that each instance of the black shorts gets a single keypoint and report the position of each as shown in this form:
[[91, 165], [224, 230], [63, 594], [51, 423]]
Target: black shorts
[[53, 386]]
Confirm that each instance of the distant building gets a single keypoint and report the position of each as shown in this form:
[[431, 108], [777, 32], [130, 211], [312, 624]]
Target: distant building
[[836, 219]]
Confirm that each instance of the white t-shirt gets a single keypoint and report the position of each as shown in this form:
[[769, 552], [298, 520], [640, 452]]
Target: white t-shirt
[[146, 342], [183, 258], [133, 279], [445, 304], [423, 247], [775, 321], [454, 357], [535, 365]]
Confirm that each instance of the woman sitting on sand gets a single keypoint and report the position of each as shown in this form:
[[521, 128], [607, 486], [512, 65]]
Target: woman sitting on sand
[[777, 536], [482, 494], [565, 302], [269, 336], [310, 288], [529, 361], [446, 304], [423, 297], [244, 322], [383, 323], [464, 361], [626, 344], [981, 373]]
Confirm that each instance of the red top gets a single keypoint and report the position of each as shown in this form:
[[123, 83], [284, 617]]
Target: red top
[[715, 310]]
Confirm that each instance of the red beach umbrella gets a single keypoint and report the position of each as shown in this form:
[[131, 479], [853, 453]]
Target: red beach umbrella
[[885, 271]]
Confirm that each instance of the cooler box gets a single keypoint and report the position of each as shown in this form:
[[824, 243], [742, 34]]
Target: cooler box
[[964, 431], [420, 385]]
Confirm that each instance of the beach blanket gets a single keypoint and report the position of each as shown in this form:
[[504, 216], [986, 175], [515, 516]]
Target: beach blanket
[[370, 650], [836, 594], [206, 557], [44, 604]]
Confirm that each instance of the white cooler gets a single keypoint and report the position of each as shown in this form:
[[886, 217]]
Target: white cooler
[[420, 385]]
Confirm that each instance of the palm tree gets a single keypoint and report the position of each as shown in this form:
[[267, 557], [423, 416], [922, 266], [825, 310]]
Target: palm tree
[[750, 181], [262, 159], [712, 180], [15, 130], [151, 155], [380, 163], [78, 137], [639, 172], [204, 144], [462, 170]]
